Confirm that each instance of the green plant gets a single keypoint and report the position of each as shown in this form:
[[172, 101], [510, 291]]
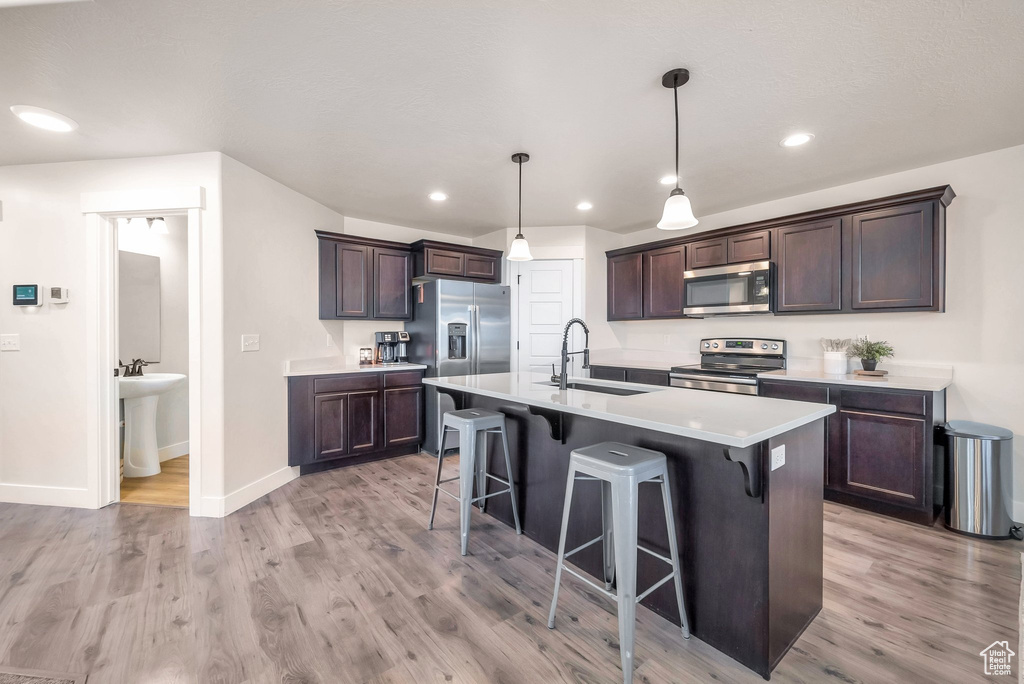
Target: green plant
[[865, 349]]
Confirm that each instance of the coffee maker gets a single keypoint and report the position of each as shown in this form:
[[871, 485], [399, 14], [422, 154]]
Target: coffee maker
[[392, 347]]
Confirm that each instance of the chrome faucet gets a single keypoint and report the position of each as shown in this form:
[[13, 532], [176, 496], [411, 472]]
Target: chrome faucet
[[562, 379], [133, 369]]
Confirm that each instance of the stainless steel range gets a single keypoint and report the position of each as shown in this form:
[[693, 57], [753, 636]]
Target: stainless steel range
[[731, 365]]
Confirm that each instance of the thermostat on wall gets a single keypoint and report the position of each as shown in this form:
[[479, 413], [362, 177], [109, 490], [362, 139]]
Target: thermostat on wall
[[58, 295], [27, 295]]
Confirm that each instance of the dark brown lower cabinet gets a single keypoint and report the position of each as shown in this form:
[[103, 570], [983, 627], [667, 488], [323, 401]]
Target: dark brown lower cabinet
[[880, 446], [608, 373], [349, 418], [643, 376]]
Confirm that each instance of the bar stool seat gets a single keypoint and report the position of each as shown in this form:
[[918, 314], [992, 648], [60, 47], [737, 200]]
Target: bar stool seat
[[621, 468], [473, 426]]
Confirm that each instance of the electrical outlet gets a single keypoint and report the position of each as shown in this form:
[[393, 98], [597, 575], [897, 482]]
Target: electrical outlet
[[10, 342], [250, 343], [778, 457]]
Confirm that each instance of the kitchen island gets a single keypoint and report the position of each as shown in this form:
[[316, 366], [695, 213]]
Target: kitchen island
[[750, 537]]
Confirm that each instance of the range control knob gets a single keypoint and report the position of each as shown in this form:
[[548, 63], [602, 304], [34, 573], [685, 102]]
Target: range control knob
[[707, 345], [775, 346], [715, 345], [764, 345]]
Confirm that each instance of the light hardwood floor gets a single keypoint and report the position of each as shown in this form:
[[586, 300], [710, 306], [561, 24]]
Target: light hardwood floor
[[334, 578], [168, 488]]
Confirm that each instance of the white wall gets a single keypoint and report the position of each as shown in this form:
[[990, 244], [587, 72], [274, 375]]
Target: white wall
[[172, 248], [43, 430], [980, 332]]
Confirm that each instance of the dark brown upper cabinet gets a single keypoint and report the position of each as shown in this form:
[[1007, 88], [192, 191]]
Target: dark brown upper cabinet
[[364, 278], [747, 247], [663, 282], [808, 263], [625, 287], [895, 261], [460, 262], [707, 253]]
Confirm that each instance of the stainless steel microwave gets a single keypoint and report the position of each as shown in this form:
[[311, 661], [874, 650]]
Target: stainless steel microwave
[[728, 290]]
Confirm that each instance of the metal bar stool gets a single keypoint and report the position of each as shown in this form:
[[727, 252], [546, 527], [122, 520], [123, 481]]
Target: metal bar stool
[[473, 426], [620, 469]]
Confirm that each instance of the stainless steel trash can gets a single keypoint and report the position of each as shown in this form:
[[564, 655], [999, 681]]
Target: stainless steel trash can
[[979, 473]]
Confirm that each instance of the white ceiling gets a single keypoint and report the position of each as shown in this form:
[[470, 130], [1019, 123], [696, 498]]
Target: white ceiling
[[368, 106]]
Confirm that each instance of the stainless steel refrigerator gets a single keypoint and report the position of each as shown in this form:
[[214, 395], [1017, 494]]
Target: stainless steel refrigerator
[[458, 328]]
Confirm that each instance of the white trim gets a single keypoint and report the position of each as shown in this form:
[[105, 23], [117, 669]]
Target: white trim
[[218, 507], [39, 495], [173, 451], [116, 202]]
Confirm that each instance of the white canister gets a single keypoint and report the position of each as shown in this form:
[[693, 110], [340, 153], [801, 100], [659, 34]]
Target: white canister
[[835, 363]]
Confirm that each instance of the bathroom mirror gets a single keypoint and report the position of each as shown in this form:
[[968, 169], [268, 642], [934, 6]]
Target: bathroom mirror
[[139, 307]]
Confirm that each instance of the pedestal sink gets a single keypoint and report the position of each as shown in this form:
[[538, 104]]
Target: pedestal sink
[[140, 395]]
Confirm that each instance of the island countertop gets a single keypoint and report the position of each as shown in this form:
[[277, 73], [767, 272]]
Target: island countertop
[[733, 420]]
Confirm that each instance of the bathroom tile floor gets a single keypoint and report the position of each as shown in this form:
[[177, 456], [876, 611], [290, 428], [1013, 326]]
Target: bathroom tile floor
[[169, 488]]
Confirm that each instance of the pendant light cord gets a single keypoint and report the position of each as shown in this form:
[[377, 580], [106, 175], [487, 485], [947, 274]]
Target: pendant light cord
[[675, 97], [521, 198]]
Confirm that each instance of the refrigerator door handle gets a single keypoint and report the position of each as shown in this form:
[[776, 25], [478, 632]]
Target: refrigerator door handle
[[476, 339]]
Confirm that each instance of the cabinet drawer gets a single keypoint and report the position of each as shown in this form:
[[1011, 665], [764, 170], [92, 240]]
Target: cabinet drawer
[[647, 377], [914, 404], [346, 383], [402, 378], [795, 391], [445, 262], [608, 373]]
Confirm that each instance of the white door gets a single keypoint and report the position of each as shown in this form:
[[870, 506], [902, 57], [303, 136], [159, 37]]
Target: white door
[[545, 305]]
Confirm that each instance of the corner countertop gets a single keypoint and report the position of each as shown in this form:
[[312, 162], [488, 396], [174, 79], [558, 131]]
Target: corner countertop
[[337, 365], [935, 383], [734, 420]]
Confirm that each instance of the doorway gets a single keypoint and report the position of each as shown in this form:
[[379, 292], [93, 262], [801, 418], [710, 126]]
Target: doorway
[[547, 297], [152, 342]]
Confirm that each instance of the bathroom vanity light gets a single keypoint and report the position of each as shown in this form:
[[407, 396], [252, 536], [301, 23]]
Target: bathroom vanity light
[[678, 214], [158, 226], [519, 250]]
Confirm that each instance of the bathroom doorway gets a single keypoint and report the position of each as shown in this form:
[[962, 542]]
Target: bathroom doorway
[[153, 359]]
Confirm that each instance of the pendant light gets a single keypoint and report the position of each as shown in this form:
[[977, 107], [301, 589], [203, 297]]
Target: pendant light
[[519, 250], [678, 213]]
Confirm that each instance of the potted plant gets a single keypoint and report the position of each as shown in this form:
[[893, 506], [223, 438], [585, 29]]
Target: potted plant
[[870, 353]]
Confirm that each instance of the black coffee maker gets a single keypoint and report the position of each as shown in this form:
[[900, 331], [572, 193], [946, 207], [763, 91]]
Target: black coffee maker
[[392, 347]]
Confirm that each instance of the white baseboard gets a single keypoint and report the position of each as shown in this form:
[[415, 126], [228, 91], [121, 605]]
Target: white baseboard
[[38, 495], [173, 451], [218, 507]]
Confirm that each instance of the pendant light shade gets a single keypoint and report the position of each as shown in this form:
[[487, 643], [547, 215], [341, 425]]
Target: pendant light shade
[[519, 250], [678, 214]]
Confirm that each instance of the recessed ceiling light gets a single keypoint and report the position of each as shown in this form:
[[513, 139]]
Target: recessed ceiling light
[[584, 206], [668, 180], [438, 196], [796, 139], [44, 118]]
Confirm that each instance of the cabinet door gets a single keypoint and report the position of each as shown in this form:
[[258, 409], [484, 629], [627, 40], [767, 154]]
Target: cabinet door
[[884, 456], [707, 253], [625, 287], [809, 258], [483, 268], [330, 419], [364, 421], [607, 373], [748, 247], [403, 415], [392, 284], [818, 394], [347, 279], [663, 282], [893, 259], [445, 262]]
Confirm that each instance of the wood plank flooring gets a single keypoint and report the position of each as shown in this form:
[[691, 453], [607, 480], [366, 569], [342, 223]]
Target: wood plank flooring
[[335, 578], [168, 488]]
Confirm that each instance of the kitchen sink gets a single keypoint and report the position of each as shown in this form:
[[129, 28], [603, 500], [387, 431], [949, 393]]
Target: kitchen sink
[[603, 389]]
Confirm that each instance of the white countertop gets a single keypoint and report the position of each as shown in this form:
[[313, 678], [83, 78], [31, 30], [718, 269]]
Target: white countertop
[[734, 420], [896, 382], [336, 365]]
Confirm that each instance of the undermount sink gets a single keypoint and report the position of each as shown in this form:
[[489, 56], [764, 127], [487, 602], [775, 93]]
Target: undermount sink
[[603, 389], [146, 385], [140, 395]]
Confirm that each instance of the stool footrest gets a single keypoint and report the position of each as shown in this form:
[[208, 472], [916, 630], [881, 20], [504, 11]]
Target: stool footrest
[[665, 559], [445, 491], [580, 548], [488, 496], [581, 578], [654, 586]]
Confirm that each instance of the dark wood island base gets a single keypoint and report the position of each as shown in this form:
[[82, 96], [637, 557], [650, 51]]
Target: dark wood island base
[[751, 542]]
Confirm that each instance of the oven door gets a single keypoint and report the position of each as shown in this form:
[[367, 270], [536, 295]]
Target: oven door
[[714, 383], [735, 289]]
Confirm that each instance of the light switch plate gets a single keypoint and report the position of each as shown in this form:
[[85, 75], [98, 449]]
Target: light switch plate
[[250, 343], [778, 457], [10, 342]]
